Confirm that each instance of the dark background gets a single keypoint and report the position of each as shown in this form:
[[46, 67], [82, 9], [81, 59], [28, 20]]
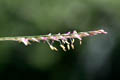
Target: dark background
[[97, 58]]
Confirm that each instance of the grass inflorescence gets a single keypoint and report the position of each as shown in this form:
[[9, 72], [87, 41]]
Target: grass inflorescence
[[51, 38]]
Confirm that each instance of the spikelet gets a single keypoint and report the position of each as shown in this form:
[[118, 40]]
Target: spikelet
[[63, 47]]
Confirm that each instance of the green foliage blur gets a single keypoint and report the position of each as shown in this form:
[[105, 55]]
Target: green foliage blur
[[96, 59]]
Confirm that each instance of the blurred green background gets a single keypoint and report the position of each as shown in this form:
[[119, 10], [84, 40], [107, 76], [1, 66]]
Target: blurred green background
[[97, 58]]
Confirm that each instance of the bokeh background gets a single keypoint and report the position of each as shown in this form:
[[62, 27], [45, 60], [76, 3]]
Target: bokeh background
[[98, 58]]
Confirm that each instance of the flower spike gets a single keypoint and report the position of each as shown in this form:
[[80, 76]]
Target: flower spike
[[62, 38]]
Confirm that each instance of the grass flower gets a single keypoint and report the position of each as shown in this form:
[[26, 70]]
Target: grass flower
[[64, 39]]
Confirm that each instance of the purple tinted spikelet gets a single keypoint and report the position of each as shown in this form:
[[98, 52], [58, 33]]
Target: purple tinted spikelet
[[25, 41], [64, 39]]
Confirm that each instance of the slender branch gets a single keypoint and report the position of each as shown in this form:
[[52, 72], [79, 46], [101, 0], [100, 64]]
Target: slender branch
[[61, 38]]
